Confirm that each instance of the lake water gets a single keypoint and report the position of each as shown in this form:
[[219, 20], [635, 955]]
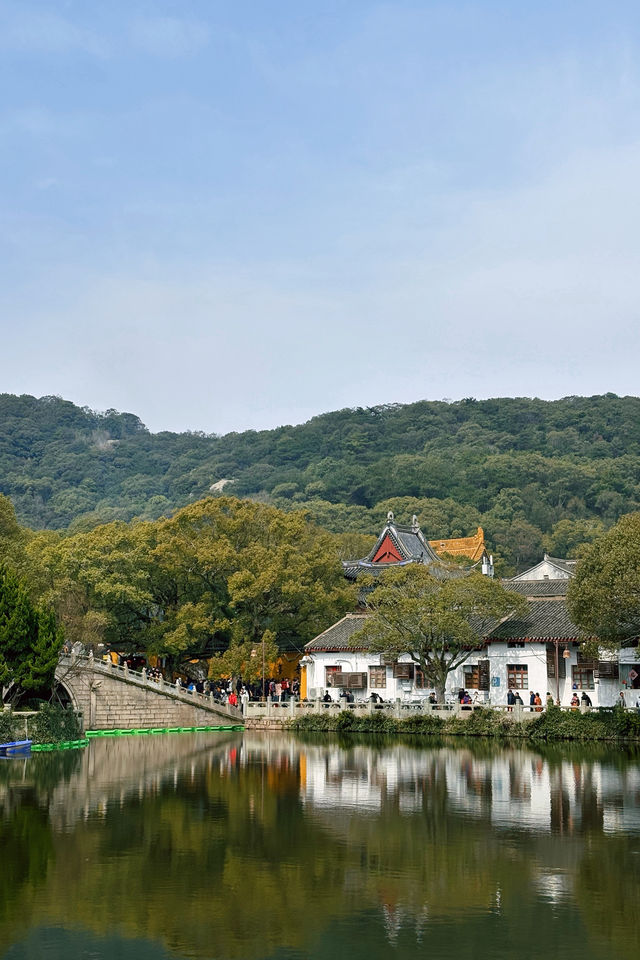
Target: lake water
[[276, 846]]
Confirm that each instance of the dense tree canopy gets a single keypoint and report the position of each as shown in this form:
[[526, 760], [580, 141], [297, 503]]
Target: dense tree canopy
[[535, 474], [604, 597], [438, 623], [219, 570]]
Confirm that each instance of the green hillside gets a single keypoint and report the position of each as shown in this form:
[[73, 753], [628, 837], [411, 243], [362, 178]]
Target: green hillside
[[536, 474]]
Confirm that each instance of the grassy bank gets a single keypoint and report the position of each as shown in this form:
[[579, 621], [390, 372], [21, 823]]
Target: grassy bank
[[553, 724]]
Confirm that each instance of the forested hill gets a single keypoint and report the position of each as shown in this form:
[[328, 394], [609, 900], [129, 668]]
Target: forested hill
[[534, 473]]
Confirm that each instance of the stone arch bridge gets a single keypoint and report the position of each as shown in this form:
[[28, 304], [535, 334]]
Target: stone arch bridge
[[112, 697]]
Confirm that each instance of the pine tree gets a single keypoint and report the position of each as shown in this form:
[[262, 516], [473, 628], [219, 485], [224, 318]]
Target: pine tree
[[29, 640]]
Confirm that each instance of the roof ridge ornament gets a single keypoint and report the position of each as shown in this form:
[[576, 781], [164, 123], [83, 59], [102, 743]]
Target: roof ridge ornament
[[415, 526], [390, 517]]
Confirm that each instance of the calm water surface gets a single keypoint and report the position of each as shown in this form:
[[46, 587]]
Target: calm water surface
[[267, 845]]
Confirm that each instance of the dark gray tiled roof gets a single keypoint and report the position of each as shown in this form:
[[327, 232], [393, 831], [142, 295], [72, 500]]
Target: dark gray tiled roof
[[338, 637], [546, 619], [569, 566], [353, 568], [538, 588]]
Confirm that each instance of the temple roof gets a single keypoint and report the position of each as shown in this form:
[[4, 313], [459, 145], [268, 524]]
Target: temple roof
[[399, 545], [472, 547]]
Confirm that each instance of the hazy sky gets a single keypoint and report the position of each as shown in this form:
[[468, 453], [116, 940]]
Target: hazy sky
[[222, 214]]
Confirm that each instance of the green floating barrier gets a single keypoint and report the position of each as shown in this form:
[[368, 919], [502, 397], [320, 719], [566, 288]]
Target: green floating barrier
[[173, 729], [65, 745], [93, 733], [158, 730]]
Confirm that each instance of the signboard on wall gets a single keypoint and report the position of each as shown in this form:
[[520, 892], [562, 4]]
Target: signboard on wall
[[495, 681]]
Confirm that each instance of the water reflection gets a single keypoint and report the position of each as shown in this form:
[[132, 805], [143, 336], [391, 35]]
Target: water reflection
[[213, 845]]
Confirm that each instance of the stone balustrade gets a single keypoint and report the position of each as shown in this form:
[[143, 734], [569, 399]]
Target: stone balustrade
[[278, 713]]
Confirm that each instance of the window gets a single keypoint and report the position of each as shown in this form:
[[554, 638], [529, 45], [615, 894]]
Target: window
[[610, 670], [403, 671], [517, 676], [329, 676], [378, 677], [582, 677], [472, 677], [516, 643], [352, 681], [551, 662], [477, 676], [630, 674]]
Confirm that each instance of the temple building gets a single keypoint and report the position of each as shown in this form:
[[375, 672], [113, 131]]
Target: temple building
[[539, 651], [399, 545], [549, 568]]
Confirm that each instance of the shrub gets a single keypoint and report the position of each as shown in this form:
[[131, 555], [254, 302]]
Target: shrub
[[552, 725], [8, 727], [54, 724]]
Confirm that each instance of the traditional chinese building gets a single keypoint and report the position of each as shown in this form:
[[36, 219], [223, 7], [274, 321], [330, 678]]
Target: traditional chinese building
[[538, 651], [400, 545]]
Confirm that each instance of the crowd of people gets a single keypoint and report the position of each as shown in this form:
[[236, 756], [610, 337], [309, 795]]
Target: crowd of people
[[238, 692]]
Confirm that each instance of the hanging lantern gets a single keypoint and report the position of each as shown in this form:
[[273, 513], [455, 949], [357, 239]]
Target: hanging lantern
[[566, 653]]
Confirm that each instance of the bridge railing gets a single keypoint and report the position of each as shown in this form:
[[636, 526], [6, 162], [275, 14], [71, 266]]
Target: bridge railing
[[141, 678]]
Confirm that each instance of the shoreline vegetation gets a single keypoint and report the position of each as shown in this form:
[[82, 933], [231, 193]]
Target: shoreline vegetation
[[553, 724], [52, 723]]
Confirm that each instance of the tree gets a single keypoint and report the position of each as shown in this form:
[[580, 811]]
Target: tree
[[218, 570], [246, 659], [29, 640], [604, 596], [438, 623]]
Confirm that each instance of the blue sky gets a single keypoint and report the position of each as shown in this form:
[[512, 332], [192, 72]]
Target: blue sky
[[223, 215]]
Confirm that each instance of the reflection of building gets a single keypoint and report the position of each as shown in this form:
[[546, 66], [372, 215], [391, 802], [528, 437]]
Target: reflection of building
[[538, 652], [513, 788]]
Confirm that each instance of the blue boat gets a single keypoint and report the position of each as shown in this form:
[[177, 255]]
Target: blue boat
[[17, 748]]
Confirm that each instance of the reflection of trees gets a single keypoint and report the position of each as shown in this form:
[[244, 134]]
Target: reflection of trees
[[227, 860], [608, 891], [222, 864], [434, 861], [26, 847]]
